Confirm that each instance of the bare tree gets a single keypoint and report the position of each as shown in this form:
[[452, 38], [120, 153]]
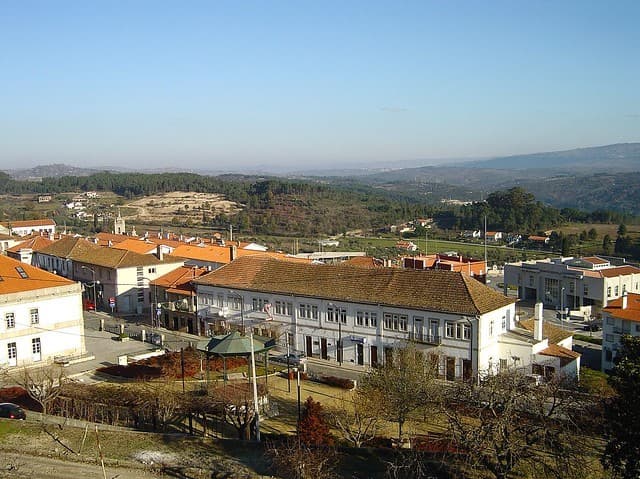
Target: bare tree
[[403, 385], [42, 383], [510, 422], [356, 418], [293, 460], [163, 401], [237, 405]]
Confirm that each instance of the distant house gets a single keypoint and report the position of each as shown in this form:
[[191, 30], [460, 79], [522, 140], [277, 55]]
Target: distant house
[[27, 227], [540, 240], [407, 245], [476, 268], [471, 234], [513, 238], [493, 236], [23, 251], [44, 198]]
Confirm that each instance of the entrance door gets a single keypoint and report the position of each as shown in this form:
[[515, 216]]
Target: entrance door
[[309, 346], [388, 355], [323, 348], [451, 369], [417, 329], [467, 370], [374, 356], [190, 326], [360, 354]]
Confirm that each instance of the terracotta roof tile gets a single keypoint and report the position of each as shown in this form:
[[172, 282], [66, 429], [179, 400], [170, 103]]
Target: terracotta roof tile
[[12, 282], [136, 245], [27, 223], [554, 333], [444, 291], [631, 312], [559, 352], [179, 280], [36, 243], [619, 271]]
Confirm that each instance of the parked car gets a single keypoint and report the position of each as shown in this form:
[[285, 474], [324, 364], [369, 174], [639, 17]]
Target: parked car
[[295, 359], [591, 327], [11, 411]]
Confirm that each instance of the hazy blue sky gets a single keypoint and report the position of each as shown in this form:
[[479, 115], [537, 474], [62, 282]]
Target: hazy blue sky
[[228, 84]]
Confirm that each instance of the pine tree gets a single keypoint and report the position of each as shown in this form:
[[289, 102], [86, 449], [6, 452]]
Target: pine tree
[[313, 428]]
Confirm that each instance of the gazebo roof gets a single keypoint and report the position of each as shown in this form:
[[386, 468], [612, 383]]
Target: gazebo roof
[[235, 344]]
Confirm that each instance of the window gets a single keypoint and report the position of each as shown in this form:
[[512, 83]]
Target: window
[[367, 319], [331, 314], [151, 270], [12, 352], [236, 303], [504, 323], [10, 318], [615, 291], [220, 301], [284, 308], [450, 329], [607, 355], [609, 292], [637, 328], [503, 364], [585, 290], [466, 331], [491, 328], [258, 304], [609, 320], [396, 322], [624, 288], [308, 311], [343, 316], [530, 280], [35, 318], [36, 347]]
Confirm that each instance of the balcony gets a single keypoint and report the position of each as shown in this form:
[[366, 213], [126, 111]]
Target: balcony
[[422, 338], [180, 305]]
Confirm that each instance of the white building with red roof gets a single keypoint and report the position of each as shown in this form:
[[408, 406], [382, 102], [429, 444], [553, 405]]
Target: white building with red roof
[[40, 315], [621, 317]]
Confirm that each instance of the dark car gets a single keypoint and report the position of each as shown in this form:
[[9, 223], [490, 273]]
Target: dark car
[[591, 327], [11, 411]]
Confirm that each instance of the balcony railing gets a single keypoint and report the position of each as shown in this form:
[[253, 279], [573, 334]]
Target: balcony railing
[[426, 338]]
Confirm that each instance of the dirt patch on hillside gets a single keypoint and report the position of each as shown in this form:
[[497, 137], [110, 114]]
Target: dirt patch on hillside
[[181, 204]]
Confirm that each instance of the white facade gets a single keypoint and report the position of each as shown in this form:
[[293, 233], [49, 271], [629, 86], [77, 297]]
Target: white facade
[[463, 345], [36, 326]]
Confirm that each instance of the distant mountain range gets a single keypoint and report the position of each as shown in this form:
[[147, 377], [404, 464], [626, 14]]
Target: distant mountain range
[[586, 178]]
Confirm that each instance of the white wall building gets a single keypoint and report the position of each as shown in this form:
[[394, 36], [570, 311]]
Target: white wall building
[[571, 283], [621, 317], [27, 227], [358, 315], [40, 314]]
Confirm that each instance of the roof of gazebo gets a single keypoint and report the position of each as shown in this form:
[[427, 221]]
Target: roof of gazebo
[[235, 344]]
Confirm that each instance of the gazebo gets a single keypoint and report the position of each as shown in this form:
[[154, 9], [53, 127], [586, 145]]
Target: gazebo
[[235, 345]]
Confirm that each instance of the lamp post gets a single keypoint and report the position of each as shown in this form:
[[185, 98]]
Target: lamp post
[[299, 409], [93, 276], [151, 306], [255, 387], [562, 306], [335, 312]]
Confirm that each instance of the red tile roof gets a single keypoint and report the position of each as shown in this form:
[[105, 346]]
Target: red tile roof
[[594, 260], [559, 352], [554, 333], [27, 223], [444, 291], [11, 281], [619, 271], [36, 243], [179, 280], [630, 313]]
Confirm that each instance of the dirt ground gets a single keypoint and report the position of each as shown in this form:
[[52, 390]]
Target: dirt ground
[[163, 207]]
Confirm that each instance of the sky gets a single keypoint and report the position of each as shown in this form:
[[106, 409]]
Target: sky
[[226, 85]]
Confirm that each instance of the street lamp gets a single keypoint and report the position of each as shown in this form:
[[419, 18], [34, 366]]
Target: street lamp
[[93, 275], [299, 408], [255, 387]]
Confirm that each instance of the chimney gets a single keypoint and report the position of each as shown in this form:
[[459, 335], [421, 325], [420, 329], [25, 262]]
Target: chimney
[[233, 252], [624, 300], [159, 252], [110, 244], [537, 321]]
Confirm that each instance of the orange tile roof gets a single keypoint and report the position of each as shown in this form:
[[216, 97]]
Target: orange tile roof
[[444, 291], [559, 352], [594, 260], [538, 238], [136, 245], [26, 223], [619, 271], [554, 333], [12, 282], [179, 280], [81, 250], [630, 313], [211, 253], [36, 243]]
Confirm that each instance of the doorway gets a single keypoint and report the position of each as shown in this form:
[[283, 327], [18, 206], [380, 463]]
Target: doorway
[[451, 369], [323, 348], [309, 346], [360, 354], [374, 356]]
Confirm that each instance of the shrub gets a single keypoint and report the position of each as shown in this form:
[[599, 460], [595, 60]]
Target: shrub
[[338, 382]]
